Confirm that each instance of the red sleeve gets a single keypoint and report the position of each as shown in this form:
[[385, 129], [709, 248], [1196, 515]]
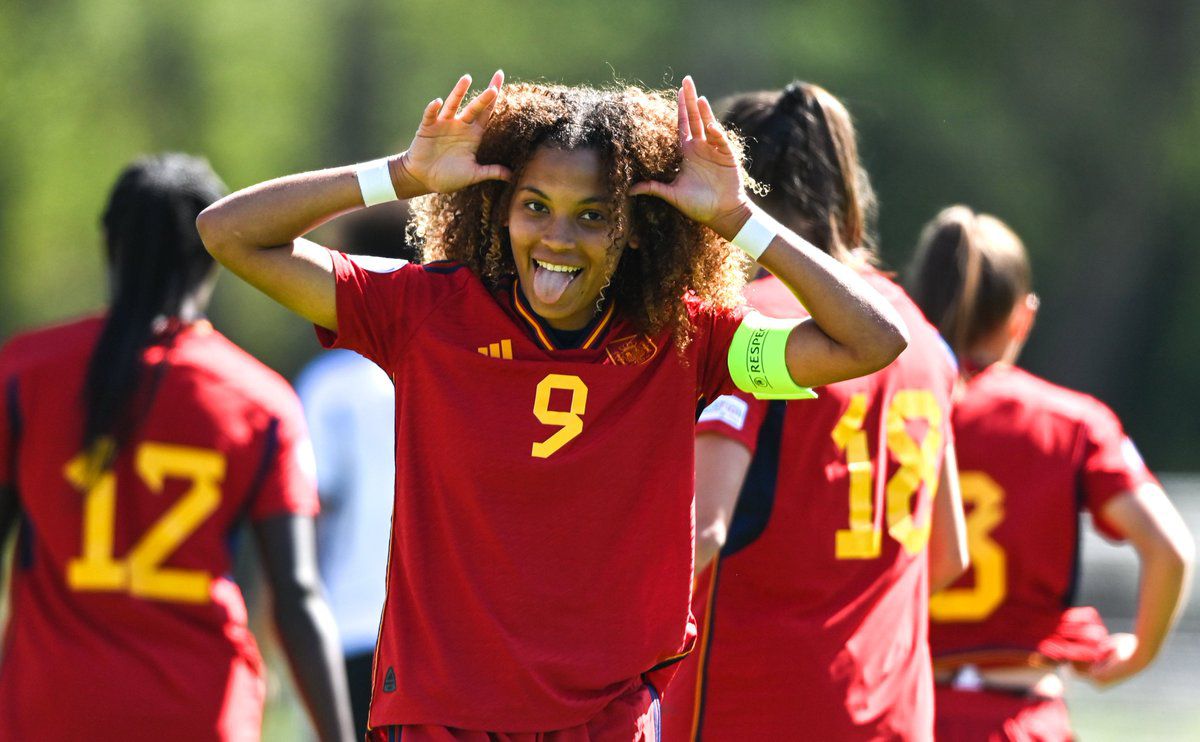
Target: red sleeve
[[287, 481], [714, 330], [380, 303], [737, 416], [1111, 464]]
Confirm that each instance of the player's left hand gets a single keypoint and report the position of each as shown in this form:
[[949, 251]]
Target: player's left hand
[[1120, 661], [708, 188]]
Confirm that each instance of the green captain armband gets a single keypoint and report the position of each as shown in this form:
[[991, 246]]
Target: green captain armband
[[758, 360]]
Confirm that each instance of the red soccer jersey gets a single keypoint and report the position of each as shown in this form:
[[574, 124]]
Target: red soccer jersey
[[124, 624], [542, 534], [1032, 455], [816, 627]]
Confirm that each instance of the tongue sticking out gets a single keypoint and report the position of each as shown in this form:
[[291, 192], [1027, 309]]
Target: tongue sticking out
[[549, 286]]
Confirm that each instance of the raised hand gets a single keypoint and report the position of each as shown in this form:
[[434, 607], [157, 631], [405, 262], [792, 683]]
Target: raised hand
[[708, 188], [441, 158]]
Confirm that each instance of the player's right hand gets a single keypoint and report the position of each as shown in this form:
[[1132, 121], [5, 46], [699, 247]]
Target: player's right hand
[[1120, 660], [441, 158]]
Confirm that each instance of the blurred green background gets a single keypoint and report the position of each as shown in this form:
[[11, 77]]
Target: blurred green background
[[1077, 123]]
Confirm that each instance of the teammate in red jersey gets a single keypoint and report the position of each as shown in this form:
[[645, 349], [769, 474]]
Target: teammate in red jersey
[[548, 367], [1033, 456], [132, 446], [814, 615]]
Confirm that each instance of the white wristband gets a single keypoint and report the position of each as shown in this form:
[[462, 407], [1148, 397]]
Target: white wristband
[[375, 182], [756, 234]]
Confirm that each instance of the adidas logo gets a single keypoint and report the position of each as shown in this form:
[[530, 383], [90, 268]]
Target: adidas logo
[[389, 681], [502, 349]]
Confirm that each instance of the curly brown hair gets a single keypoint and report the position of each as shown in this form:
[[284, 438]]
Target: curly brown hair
[[635, 133]]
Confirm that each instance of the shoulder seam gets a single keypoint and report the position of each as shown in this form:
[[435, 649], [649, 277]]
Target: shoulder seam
[[436, 306], [270, 446]]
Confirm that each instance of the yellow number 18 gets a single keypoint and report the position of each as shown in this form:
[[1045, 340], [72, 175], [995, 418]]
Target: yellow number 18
[[918, 466]]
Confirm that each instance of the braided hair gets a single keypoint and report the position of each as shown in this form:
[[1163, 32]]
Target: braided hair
[[156, 263]]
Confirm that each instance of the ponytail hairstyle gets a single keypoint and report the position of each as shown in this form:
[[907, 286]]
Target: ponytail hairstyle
[[967, 274], [156, 262], [801, 147]]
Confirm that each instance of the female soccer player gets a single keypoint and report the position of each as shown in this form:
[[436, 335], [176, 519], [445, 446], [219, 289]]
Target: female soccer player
[[132, 446], [1033, 457], [814, 614], [548, 364]]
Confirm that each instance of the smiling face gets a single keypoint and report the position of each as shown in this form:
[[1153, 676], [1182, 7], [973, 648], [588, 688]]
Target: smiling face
[[560, 225]]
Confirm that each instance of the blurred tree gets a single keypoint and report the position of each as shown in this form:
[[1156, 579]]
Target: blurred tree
[[1075, 123]]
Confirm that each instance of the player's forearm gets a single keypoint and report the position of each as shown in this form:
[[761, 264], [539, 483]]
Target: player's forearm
[[1165, 568], [721, 466], [309, 636], [276, 212], [708, 544], [948, 549], [945, 567], [1166, 550], [863, 331]]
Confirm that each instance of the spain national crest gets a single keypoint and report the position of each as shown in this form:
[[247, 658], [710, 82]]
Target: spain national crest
[[631, 350]]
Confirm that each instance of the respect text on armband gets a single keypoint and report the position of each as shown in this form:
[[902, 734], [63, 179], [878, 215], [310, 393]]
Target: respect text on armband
[[754, 358]]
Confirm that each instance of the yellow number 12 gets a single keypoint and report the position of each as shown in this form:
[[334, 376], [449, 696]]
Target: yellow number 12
[[141, 572]]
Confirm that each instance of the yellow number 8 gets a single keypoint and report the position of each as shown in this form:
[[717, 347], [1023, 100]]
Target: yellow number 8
[[988, 559]]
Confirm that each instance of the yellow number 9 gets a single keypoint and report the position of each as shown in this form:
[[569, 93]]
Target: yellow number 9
[[570, 423]]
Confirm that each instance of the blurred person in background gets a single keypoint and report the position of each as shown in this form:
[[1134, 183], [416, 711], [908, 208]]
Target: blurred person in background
[[1033, 457], [818, 533], [132, 447], [349, 403]]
